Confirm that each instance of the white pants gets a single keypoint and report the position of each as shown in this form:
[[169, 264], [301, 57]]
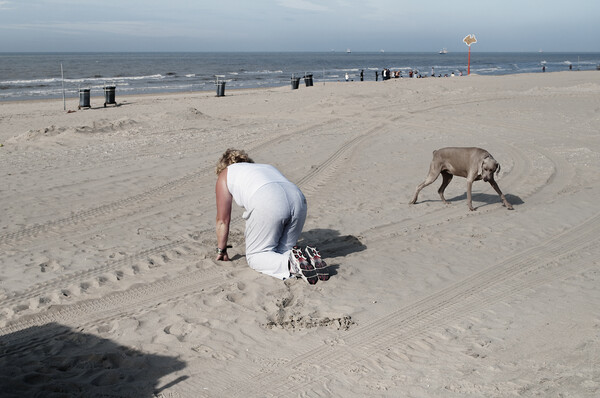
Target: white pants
[[273, 225]]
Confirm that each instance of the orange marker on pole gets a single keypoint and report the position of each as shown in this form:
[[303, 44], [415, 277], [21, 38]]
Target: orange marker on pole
[[470, 39]]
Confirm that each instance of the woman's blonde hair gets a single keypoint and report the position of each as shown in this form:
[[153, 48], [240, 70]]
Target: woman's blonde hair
[[232, 156]]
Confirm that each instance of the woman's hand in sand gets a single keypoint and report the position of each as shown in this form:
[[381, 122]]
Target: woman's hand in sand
[[223, 257]]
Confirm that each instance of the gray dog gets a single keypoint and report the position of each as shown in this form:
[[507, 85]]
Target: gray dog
[[472, 163]]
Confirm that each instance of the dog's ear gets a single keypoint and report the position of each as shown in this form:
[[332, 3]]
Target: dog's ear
[[498, 169]]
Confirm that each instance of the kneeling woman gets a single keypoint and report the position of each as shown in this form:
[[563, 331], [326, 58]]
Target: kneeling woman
[[275, 211]]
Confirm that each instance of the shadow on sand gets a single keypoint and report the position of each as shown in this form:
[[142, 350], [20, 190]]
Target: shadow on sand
[[331, 244], [54, 360], [485, 198]]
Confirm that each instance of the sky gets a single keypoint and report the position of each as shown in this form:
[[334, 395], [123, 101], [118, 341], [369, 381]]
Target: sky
[[298, 25]]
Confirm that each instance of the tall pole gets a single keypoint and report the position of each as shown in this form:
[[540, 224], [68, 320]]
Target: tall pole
[[470, 39], [469, 65]]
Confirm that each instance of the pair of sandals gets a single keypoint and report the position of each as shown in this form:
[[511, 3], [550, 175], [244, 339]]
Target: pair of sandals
[[309, 267]]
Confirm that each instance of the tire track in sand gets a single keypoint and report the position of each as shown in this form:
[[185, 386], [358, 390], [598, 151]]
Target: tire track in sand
[[558, 257], [24, 333], [309, 183], [125, 207], [53, 231], [525, 270], [537, 173], [185, 248], [437, 215]]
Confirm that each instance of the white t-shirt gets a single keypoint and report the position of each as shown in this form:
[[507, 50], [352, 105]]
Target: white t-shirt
[[245, 179]]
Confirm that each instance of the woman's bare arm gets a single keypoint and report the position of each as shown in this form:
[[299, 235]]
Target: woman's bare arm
[[224, 202]]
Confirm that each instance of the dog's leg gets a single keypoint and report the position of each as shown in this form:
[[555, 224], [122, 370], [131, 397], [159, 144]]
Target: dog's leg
[[469, 201], [447, 178], [431, 177], [497, 189]]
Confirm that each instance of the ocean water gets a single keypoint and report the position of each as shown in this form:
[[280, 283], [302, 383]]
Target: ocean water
[[38, 75]]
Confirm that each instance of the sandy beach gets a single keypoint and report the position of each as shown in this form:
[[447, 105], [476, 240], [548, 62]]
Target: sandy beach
[[109, 285]]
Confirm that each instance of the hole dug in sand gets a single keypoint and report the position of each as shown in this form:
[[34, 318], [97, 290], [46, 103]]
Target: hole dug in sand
[[299, 322]]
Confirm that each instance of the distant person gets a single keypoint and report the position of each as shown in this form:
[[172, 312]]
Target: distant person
[[544, 68], [347, 77], [275, 211], [376, 75], [362, 75]]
